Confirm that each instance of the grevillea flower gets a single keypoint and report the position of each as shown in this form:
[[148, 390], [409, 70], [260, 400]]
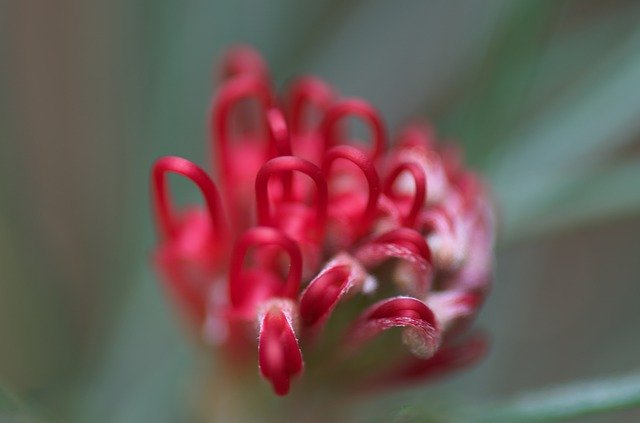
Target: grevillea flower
[[318, 244]]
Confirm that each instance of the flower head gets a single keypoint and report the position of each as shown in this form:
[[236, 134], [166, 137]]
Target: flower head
[[314, 233]]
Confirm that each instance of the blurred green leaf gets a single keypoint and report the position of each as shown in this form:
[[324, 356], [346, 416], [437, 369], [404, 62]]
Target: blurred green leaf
[[580, 130], [586, 197], [14, 410], [552, 404], [144, 377], [569, 401]]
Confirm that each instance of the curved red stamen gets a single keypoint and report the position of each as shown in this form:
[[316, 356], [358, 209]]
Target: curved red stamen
[[420, 182], [261, 237], [323, 293], [242, 60], [234, 90], [358, 158], [408, 237], [359, 108], [305, 92], [289, 164], [421, 334], [162, 202], [279, 136], [279, 354]]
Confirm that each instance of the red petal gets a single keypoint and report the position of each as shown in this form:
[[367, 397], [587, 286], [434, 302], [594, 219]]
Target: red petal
[[323, 293], [421, 333], [279, 354]]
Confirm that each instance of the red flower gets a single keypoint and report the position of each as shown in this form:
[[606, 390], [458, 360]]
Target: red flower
[[316, 224]]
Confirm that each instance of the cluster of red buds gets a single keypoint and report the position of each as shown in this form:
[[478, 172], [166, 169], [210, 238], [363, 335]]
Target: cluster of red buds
[[315, 231]]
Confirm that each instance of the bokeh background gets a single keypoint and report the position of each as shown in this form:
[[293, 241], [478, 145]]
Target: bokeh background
[[544, 95]]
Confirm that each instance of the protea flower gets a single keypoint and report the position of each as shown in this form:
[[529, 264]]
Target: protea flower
[[317, 244]]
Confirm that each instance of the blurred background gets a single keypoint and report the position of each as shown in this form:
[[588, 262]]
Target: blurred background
[[544, 96]]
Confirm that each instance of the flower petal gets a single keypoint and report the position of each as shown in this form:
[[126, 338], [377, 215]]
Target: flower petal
[[279, 354], [421, 333]]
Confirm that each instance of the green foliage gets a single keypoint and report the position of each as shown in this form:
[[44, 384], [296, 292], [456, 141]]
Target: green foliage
[[567, 402]]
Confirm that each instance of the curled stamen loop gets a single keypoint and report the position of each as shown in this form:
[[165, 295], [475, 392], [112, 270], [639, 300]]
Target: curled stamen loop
[[361, 109], [420, 181], [358, 158], [243, 60], [305, 93], [261, 237], [289, 164], [234, 90], [162, 201]]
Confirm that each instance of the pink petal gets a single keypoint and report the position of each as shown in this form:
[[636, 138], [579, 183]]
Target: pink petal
[[421, 333], [279, 354]]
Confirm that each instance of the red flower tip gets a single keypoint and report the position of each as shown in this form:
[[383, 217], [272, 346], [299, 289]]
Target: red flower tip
[[341, 275], [279, 354], [421, 334], [243, 60]]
